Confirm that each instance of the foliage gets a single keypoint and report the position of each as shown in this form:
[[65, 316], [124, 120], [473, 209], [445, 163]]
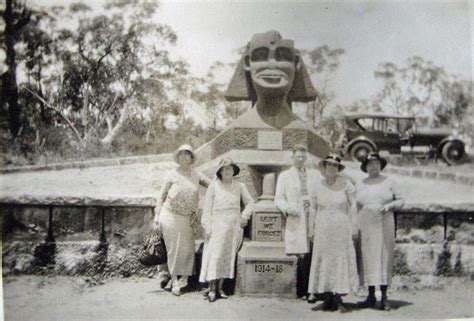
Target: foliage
[[89, 84], [420, 88], [209, 93], [400, 263], [458, 267], [323, 63], [443, 266]]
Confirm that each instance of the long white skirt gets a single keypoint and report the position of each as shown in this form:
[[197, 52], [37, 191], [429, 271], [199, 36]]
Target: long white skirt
[[179, 242], [333, 263], [377, 231], [218, 258]]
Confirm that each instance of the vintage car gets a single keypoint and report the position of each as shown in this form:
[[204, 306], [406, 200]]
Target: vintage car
[[399, 135]]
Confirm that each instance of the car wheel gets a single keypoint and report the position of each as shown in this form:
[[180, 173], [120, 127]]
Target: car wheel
[[360, 150], [453, 152]]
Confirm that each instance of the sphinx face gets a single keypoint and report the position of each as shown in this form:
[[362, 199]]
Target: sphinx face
[[272, 62]]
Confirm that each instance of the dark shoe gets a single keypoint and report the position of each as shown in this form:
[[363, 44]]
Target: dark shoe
[[163, 279], [205, 292], [212, 296], [221, 294], [312, 298], [325, 306], [385, 306], [339, 305], [341, 308], [368, 303], [168, 286]]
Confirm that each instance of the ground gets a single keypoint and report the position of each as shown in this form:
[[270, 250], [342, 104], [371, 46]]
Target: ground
[[72, 298]]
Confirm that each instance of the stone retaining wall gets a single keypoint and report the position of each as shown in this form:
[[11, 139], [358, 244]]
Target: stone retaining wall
[[459, 178]]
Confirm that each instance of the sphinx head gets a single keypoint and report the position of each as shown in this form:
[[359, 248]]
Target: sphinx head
[[270, 65]]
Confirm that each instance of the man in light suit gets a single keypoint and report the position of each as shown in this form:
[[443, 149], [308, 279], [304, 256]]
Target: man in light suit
[[295, 196]]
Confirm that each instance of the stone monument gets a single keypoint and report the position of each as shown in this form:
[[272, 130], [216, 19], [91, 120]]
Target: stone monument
[[271, 75]]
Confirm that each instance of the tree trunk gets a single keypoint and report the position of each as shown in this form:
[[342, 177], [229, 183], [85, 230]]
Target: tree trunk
[[10, 88], [113, 130]]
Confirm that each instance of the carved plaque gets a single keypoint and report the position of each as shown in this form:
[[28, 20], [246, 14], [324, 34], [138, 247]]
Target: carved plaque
[[270, 139], [267, 227]]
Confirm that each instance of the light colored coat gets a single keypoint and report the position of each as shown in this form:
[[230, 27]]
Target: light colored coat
[[298, 229]]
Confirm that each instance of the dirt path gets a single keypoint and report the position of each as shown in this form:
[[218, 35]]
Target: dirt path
[[67, 298]]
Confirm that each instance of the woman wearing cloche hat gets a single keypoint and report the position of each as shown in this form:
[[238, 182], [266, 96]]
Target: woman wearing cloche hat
[[333, 263], [176, 203], [223, 222], [377, 197]]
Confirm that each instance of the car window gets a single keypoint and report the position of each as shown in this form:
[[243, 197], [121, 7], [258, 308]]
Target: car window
[[380, 124], [405, 124], [366, 123], [392, 125]]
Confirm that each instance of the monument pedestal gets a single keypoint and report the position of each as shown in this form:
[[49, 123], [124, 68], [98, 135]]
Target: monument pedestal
[[265, 270]]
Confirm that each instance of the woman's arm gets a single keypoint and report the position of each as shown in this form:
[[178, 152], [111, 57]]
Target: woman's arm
[[248, 201], [161, 198], [351, 192], [207, 210], [203, 180], [398, 200]]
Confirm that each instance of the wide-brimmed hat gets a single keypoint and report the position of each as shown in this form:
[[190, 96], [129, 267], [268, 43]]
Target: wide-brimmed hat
[[226, 162], [372, 156], [332, 159], [184, 147]]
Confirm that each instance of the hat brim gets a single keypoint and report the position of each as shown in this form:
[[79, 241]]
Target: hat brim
[[176, 153], [234, 166], [323, 163], [363, 165]]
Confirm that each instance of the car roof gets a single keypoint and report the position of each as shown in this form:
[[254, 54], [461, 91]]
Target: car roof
[[376, 115]]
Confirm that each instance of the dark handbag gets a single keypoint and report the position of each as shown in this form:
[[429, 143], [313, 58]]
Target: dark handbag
[[153, 250]]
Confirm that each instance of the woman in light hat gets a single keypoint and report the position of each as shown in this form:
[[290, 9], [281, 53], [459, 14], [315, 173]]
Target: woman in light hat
[[223, 221], [377, 197], [177, 201], [333, 264]]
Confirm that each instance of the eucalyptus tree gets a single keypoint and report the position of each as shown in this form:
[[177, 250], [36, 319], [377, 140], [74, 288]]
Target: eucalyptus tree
[[421, 88], [323, 63]]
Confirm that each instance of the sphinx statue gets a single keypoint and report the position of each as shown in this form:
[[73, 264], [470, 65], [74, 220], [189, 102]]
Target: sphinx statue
[[272, 75]]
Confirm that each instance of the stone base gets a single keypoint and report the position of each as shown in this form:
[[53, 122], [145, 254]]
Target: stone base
[[265, 270]]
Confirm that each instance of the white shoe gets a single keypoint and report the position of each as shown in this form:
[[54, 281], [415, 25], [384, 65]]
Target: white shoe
[[176, 291]]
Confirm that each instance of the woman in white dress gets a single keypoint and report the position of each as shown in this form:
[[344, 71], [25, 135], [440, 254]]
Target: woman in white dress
[[333, 263], [377, 197], [223, 221], [176, 202]]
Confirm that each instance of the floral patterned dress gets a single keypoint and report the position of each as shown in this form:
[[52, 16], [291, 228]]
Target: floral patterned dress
[[377, 230], [180, 199], [221, 219], [333, 262]]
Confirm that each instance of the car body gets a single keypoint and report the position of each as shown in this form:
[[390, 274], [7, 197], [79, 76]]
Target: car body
[[396, 134]]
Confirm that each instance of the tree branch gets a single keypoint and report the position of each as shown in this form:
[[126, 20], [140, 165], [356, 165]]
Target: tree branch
[[48, 105]]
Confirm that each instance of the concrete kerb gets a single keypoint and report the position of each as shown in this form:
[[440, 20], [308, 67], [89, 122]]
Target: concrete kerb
[[460, 178], [147, 159]]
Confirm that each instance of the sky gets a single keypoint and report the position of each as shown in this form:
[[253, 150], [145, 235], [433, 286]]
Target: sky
[[371, 32]]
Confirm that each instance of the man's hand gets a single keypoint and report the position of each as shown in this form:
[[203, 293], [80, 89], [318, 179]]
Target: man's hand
[[243, 222], [156, 225], [292, 211]]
